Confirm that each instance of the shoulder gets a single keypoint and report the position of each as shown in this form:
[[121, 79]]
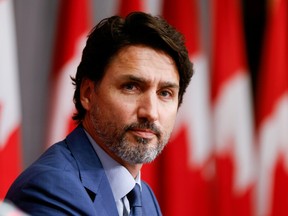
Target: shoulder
[[49, 184], [56, 158], [62, 181], [54, 165]]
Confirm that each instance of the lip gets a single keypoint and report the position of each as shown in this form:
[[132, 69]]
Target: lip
[[148, 134]]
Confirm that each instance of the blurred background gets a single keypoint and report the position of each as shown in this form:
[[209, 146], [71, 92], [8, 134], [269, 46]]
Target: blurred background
[[228, 154]]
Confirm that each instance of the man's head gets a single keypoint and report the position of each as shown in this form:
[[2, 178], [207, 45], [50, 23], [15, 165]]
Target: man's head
[[114, 33], [129, 85]]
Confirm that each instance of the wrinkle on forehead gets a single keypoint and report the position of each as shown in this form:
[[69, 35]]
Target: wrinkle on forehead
[[143, 52]]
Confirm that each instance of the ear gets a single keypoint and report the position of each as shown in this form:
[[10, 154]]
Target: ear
[[86, 93]]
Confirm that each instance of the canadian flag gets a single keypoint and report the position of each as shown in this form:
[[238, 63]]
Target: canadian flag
[[186, 165], [272, 110], [232, 125], [10, 111], [72, 30]]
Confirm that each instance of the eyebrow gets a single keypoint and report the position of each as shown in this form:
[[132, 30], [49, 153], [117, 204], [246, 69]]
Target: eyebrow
[[137, 79]]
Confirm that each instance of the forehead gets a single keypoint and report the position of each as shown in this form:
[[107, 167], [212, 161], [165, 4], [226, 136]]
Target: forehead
[[143, 61]]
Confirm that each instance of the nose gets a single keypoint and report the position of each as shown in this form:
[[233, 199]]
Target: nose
[[148, 107]]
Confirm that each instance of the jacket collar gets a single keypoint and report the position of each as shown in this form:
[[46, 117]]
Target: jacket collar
[[91, 171]]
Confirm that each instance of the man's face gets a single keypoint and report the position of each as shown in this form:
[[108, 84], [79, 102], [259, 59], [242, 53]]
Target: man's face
[[131, 113]]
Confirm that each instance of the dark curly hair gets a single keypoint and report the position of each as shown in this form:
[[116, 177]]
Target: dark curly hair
[[112, 34]]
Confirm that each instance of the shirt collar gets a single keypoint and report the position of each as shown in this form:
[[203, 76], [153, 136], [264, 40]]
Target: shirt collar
[[120, 179]]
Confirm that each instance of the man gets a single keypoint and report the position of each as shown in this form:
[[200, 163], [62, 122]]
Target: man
[[129, 86]]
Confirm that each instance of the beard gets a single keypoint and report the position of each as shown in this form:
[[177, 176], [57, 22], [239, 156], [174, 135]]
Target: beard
[[138, 150]]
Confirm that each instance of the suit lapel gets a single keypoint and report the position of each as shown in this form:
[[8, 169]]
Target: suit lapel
[[91, 172]]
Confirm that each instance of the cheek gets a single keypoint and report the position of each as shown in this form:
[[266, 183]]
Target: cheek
[[168, 118], [120, 112], [113, 107]]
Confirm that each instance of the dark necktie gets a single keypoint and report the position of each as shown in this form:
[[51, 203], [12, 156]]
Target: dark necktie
[[135, 201]]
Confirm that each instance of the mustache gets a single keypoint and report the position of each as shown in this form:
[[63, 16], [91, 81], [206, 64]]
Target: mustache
[[144, 125]]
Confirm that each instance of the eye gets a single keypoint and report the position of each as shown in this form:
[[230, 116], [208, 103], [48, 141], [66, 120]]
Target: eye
[[166, 94], [129, 87]]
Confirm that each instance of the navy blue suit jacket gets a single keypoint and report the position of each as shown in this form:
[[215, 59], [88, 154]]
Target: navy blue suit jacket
[[68, 179]]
